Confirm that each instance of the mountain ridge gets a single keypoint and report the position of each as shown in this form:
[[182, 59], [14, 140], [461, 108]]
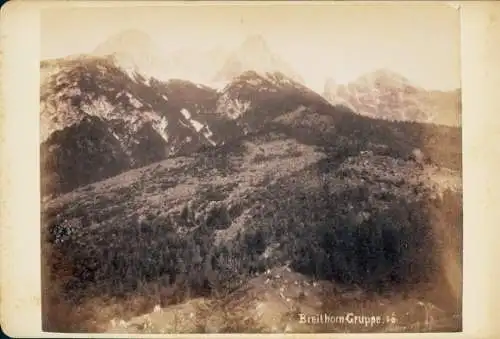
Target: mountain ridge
[[135, 49], [388, 95], [254, 54], [179, 115], [131, 105]]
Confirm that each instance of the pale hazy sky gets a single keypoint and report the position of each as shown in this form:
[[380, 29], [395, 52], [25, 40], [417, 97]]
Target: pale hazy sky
[[420, 40]]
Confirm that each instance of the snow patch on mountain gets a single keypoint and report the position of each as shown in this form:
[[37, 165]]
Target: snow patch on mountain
[[255, 82], [133, 101], [197, 125], [186, 113], [213, 143], [130, 71], [232, 108], [115, 135], [277, 79], [99, 108], [208, 134], [160, 126]]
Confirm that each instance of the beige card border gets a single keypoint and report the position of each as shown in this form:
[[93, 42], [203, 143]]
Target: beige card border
[[19, 172]]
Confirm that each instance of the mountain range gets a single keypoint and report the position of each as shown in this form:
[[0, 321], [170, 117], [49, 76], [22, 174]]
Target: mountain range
[[387, 95], [160, 193], [88, 100], [135, 50], [381, 94], [137, 119]]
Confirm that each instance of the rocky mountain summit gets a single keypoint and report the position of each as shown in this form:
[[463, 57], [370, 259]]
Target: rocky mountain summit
[[387, 95], [254, 54], [134, 50], [97, 100]]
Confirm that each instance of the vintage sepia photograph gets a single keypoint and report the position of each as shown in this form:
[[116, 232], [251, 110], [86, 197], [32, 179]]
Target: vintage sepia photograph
[[251, 168]]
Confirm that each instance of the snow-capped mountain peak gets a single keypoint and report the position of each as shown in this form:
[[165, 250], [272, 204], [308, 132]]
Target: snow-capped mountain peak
[[254, 54]]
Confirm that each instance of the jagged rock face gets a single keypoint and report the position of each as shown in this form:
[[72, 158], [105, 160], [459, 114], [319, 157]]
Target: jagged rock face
[[93, 86], [254, 99], [387, 95], [148, 119], [152, 119], [254, 54]]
